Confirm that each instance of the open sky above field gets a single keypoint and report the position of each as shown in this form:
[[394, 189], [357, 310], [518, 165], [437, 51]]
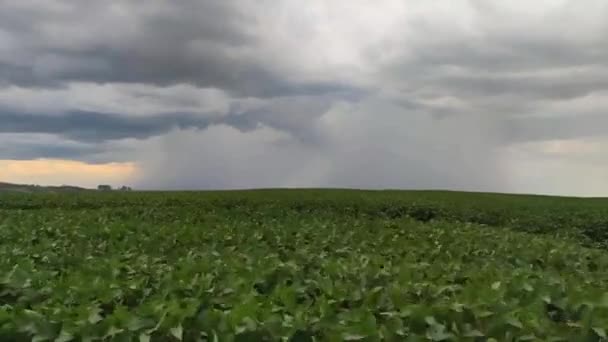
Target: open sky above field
[[508, 96]]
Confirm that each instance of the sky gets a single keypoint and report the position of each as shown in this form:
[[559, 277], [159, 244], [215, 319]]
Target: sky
[[480, 95]]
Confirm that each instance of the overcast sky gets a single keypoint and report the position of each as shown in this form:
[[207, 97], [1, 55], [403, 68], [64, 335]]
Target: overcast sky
[[507, 96]]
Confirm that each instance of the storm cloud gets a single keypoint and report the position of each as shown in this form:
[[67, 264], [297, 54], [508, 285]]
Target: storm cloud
[[473, 95]]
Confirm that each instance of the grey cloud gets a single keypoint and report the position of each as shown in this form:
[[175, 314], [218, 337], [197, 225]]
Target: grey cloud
[[97, 127], [297, 116], [504, 62], [537, 128], [36, 150], [371, 144], [499, 39], [219, 157], [564, 84], [206, 43], [26, 146], [504, 54], [505, 94], [294, 114]]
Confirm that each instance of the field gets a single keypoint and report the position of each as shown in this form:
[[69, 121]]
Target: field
[[302, 265]]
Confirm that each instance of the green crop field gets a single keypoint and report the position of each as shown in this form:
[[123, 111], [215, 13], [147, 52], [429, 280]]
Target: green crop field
[[302, 265]]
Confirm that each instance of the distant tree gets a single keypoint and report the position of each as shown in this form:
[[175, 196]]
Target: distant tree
[[125, 188], [104, 187]]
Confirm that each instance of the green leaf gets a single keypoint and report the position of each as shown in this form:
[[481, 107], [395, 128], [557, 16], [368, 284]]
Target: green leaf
[[474, 333], [514, 322], [94, 315], [430, 320], [438, 334], [143, 337], [458, 307], [178, 332], [484, 314], [249, 323], [113, 331], [496, 285], [601, 332], [136, 323], [64, 336], [352, 337]]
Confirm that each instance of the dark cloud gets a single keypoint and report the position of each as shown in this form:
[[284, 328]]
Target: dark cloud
[[97, 127], [292, 115], [297, 116], [35, 150], [205, 43]]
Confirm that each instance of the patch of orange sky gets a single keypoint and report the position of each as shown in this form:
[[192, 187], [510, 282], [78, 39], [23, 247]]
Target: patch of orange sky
[[66, 172]]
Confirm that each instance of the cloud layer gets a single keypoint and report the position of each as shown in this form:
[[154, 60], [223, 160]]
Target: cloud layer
[[411, 94]]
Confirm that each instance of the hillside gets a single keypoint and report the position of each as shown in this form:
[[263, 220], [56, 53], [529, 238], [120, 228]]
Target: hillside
[[27, 188]]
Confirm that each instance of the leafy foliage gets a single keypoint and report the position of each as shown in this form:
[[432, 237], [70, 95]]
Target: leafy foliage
[[302, 266]]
